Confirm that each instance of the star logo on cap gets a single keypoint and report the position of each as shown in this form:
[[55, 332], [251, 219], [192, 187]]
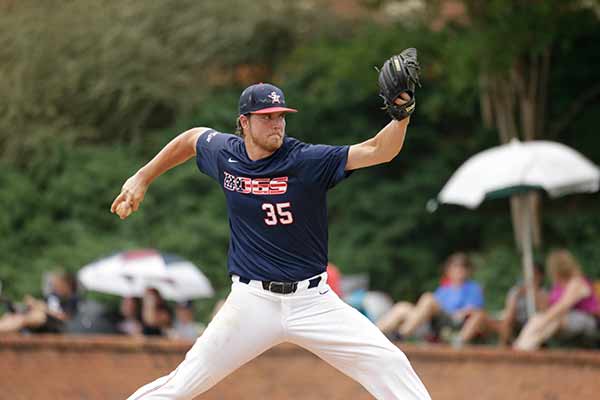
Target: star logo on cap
[[274, 97]]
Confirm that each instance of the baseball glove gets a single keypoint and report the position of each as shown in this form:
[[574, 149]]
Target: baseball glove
[[399, 74]]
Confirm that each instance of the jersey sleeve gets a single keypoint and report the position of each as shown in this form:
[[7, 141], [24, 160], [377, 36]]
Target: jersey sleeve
[[208, 147], [324, 165]]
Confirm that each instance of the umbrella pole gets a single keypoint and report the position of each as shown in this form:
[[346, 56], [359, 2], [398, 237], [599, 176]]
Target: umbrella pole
[[527, 253]]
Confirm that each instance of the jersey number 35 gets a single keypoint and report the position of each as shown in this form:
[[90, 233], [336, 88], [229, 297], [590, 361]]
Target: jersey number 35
[[278, 213]]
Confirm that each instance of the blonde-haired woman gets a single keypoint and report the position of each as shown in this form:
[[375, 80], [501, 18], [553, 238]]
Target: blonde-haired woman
[[573, 306]]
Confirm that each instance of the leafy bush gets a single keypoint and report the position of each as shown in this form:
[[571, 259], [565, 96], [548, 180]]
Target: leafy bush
[[92, 90]]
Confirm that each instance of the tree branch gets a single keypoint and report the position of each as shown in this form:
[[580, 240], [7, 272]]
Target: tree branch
[[576, 107], [543, 87]]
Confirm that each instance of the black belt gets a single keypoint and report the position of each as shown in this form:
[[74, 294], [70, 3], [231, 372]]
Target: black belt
[[283, 287]]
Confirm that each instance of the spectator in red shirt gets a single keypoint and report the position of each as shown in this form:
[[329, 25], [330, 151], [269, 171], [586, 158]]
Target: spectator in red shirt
[[334, 279]]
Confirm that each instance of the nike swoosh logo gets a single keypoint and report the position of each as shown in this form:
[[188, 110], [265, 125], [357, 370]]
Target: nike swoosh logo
[[324, 291], [231, 160]]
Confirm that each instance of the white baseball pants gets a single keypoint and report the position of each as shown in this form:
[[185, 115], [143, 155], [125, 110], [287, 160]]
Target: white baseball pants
[[252, 320]]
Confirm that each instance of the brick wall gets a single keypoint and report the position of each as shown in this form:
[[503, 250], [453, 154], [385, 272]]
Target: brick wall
[[68, 367]]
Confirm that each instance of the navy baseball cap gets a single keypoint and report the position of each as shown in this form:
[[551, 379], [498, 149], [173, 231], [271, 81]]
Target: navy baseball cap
[[263, 98]]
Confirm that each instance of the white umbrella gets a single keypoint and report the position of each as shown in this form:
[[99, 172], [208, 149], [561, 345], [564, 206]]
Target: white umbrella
[[516, 168], [130, 273], [552, 166]]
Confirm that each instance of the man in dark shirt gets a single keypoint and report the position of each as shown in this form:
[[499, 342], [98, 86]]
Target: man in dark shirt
[[47, 316], [275, 188]]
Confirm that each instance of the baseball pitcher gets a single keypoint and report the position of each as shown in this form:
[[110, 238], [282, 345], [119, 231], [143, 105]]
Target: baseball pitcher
[[275, 188]]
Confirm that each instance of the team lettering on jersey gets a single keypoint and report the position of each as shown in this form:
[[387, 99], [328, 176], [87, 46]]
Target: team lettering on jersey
[[260, 186], [210, 136]]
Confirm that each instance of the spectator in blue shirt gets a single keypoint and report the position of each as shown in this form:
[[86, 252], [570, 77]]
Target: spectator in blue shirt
[[454, 302]]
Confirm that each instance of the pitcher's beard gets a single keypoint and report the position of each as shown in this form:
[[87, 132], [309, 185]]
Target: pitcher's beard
[[273, 142]]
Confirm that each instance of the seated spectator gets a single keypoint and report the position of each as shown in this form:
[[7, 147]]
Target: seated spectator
[[185, 327], [93, 317], [63, 299], [47, 316], [334, 279], [514, 316], [453, 303], [156, 315], [130, 311], [30, 314], [573, 306], [372, 304]]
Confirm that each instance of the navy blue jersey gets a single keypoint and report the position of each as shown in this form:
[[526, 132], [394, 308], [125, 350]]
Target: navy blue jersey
[[277, 205]]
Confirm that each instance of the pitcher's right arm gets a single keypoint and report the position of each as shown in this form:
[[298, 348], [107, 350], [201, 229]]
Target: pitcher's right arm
[[177, 151]]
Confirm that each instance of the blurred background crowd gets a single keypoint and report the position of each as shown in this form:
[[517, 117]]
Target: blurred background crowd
[[90, 90], [567, 308]]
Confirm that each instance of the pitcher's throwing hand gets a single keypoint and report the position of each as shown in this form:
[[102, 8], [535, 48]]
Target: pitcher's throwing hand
[[131, 196]]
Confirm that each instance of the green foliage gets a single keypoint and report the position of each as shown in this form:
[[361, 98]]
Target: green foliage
[[504, 35], [502, 30], [61, 217], [92, 90], [573, 222], [499, 268], [115, 71]]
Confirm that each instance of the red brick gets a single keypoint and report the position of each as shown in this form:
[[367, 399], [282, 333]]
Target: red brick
[[69, 367]]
